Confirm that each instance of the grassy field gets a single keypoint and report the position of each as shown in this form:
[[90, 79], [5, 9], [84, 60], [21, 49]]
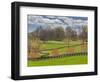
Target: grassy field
[[57, 44], [72, 60]]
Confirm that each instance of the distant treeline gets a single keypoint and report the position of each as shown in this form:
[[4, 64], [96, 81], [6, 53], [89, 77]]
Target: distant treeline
[[59, 33]]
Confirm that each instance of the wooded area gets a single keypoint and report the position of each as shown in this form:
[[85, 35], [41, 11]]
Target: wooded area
[[45, 36]]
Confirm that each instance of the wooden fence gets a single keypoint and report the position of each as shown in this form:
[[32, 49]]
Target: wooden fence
[[60, 56]]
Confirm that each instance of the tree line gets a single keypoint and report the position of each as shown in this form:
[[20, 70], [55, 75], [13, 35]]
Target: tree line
[[59, 34]]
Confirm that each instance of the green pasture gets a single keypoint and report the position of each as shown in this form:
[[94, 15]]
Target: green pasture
[[57, 44], [69, 60]]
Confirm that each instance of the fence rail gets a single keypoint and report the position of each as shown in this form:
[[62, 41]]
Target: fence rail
[[60, 56]]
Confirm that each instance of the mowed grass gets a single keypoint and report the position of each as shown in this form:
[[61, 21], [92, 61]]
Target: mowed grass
[[69, 60], [57, 44], [50, 45], [65, 49]]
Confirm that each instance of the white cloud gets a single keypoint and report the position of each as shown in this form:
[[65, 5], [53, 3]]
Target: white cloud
[[56, 21]]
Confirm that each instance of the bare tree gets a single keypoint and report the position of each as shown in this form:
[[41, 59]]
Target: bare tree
[[59, 33], [83, 34]]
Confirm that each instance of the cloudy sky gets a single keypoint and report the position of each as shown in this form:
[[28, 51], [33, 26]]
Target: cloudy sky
[[35, 21]]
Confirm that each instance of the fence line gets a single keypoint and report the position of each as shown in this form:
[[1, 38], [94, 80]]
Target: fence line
[[60, 56]]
